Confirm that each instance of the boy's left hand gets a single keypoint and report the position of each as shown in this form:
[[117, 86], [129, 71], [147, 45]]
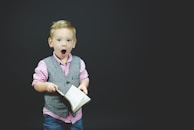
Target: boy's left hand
[[83, 88]]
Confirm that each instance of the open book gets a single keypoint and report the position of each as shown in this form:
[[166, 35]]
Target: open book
[[76, 98]]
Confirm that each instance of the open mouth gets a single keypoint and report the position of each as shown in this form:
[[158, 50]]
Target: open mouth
[[63, 51]]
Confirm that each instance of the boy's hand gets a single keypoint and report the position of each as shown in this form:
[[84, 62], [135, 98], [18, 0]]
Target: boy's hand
[[51, 87], [83, 88]]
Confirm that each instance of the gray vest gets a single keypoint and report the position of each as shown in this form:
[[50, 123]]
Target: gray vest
[[53, 101]]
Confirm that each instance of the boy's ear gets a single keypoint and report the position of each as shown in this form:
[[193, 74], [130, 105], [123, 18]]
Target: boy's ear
[[50, 42], [74, 44]]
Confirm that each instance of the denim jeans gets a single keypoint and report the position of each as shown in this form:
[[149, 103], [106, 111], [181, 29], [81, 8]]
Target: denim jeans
[[51, 123]]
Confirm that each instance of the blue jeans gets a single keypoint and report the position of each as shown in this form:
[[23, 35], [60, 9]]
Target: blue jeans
[[51, 123]]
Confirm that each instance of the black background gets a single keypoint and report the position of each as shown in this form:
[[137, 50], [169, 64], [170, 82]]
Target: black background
[[114, 39]]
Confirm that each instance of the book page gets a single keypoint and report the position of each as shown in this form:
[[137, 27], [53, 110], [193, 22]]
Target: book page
[[76, 97]]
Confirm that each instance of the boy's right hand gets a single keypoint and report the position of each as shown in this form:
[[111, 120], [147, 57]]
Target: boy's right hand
[[51, 87]]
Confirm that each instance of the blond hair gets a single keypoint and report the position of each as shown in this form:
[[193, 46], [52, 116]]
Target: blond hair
[[62, 24]]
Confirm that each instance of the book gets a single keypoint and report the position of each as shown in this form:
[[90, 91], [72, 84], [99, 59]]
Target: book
[[75, 97]]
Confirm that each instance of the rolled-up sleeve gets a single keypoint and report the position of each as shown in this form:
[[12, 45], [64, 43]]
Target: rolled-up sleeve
[[40, 73], [83, 72]]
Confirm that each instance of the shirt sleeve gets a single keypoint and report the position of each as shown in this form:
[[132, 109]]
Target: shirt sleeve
[[83, 72], [40, 73]]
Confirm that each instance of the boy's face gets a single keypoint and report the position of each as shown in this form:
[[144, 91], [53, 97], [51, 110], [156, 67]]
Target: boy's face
[[62, 42]]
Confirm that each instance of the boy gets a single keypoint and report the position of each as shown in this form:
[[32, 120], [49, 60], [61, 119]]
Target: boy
[[48, 73]]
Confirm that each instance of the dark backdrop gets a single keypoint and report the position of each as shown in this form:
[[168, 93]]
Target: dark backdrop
[[113, 39]]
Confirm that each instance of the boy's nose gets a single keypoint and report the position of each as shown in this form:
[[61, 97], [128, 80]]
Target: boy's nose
[[64, 43]]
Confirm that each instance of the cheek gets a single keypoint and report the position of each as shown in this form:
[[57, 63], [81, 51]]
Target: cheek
[[57, 48]]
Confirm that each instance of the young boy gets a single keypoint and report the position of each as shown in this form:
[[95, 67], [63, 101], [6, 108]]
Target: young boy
[[48, 74]]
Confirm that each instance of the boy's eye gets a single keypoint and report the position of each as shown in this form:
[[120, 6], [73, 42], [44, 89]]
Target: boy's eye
[[69, 40], [59, 40]]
